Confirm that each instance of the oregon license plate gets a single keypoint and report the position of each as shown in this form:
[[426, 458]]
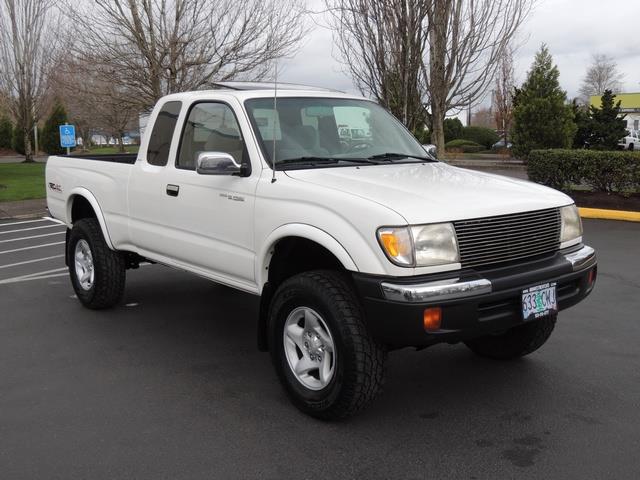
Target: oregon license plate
[[539, 301]]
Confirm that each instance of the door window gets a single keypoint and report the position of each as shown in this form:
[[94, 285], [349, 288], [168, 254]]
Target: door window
[[210, 127], [162, 133]]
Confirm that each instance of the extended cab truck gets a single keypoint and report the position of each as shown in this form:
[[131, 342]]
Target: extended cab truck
[[354, 249]]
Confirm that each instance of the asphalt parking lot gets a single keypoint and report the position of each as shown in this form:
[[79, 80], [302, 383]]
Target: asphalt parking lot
[[170, 385]]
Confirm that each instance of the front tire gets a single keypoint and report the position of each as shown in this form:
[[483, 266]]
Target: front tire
[[327, 361], [516, 342], [97, 272]]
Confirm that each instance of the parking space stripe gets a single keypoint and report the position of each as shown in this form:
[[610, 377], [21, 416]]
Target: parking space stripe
[[29, 238], [29, 279], [31, 228], [35, 260], [31, 248], [43, 219], [54, 220]]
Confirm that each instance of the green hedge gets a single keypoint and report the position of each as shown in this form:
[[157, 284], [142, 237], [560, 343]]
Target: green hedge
[[481, 135], [603, 171], [465, 146]]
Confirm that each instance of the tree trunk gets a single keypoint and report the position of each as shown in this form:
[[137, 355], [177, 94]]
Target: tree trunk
[[28, 153], [120, 143], [437, 57]]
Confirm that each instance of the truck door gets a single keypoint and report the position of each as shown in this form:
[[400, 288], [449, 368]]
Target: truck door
[[207, 220]]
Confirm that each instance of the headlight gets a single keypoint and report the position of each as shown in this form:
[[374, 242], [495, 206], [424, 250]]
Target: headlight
[[571, 226], [420, 245]]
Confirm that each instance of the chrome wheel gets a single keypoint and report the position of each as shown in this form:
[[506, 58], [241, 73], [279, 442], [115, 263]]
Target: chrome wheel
[[309, 348], [83, 259]]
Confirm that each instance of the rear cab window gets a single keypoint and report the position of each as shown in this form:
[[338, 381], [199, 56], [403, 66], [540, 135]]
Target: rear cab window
[[162, 134]]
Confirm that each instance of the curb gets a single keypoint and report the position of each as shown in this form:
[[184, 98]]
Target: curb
[[603, 214]]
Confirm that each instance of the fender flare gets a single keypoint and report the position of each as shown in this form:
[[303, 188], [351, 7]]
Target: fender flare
[[88, 196], [305, 231]]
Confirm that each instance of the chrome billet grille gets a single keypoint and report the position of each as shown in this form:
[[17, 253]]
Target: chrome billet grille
[[505, 238]]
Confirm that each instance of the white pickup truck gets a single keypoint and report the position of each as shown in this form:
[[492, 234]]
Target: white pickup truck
[[355, 248]]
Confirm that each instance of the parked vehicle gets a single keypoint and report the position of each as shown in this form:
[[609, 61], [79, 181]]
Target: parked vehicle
[[354, 250], [502, 145], [631, 141]]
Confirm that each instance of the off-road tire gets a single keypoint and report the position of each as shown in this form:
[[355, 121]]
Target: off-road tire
[[110, 268], [359, 368], [516, 342]]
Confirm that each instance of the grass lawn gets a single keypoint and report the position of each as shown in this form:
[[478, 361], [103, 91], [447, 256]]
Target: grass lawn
[[108, 150], [21, 181]]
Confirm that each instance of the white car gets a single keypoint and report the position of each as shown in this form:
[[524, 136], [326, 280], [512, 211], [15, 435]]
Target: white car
[[354, 250], [631, 141]]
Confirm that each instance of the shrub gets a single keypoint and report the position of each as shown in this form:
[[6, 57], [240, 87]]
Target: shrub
[[453, 129], [481, 135], [465, 146], [50, 137], [603, 171], [6, 133]]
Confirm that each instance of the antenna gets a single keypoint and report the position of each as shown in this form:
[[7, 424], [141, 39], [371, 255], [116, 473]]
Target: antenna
[[275, 113]]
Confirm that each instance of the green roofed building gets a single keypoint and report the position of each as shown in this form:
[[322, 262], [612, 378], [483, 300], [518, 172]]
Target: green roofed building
[[630, 105]]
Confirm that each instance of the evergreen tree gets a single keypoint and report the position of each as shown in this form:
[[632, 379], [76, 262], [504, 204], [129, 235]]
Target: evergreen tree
[[582, 118], [607, 123], [542, 119], [50, 137], [6, 133], [18, 138]]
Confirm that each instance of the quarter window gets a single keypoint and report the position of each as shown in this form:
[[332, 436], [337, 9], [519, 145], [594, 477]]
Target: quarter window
[[162, 133], [210, 127]]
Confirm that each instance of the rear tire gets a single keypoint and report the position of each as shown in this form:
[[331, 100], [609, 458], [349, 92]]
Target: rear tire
[[317, 329], [97, 272], [516, 342], [631, 147]]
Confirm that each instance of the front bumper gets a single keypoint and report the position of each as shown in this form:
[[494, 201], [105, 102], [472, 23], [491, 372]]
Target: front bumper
[[473, 303]]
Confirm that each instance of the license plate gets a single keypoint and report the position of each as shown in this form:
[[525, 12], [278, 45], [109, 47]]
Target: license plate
[[539, 301]]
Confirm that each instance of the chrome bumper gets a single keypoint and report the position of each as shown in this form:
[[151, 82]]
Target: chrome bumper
[[454, 289]]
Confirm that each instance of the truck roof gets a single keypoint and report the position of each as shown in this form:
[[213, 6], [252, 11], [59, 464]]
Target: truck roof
[[246, 90]]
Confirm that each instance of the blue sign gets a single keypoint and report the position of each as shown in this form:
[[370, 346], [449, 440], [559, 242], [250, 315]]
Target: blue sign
[[67, 136]]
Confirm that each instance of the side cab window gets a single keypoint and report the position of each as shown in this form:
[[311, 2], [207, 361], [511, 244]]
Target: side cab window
[[162, 133], [210, 127]]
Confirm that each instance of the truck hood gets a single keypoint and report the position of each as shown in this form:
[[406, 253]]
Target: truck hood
[[435, 192]]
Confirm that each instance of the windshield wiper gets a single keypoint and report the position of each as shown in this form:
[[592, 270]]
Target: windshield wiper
[[392, 155], [320, 160]]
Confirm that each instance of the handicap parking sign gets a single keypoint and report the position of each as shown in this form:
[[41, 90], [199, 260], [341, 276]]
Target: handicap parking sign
[[67, 136]]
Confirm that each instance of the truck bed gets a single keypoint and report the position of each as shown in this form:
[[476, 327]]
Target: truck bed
[[128, 158]]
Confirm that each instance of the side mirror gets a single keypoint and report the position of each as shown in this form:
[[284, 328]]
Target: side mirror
[[217, 163], [431, 150]]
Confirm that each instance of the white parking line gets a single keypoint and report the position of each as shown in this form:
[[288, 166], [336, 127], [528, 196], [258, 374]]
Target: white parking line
[[29, 279], [31, 228], [31, 261], [43, 219], [31, 248], [29, 238], [54, 220], [32, 276]]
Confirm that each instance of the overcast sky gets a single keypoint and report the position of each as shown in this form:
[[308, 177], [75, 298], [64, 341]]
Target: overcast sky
[[573, 30]]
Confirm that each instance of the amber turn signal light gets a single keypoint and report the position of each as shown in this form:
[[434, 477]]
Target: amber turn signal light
[[432, 319]]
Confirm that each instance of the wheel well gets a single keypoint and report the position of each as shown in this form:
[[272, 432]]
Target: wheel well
[[291, 256], [81, 208]]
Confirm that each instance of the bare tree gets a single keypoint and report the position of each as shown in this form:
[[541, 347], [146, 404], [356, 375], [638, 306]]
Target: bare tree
[[602, 74], [151, 48], [423, 59], [467, 40], [503, 95], [97, 104], [381, 43], [28, 40]]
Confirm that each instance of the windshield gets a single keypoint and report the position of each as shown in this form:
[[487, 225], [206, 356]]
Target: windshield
[[332, 130]]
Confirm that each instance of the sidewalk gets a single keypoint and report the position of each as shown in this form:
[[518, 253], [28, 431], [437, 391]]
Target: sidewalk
[[23, 209], [20, 158]]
